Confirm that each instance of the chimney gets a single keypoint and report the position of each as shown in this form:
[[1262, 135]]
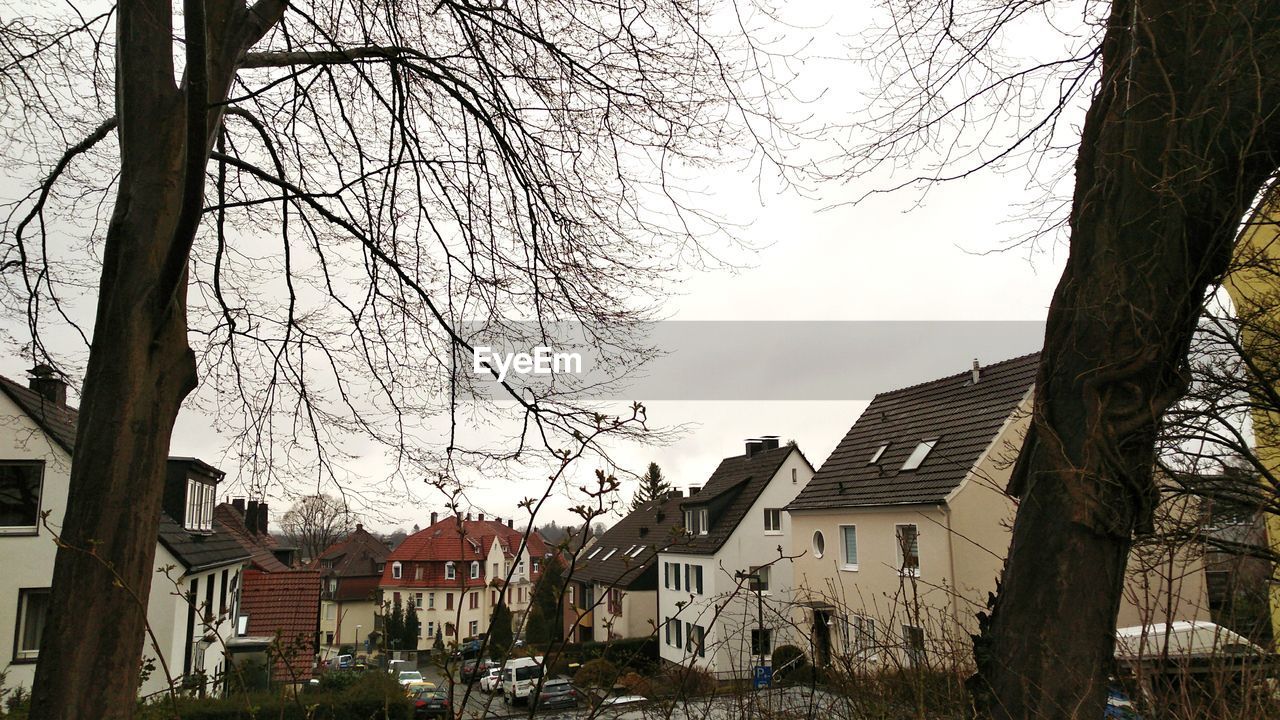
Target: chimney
[[46, 381], [434, 517], [977, 370], [693, 490], [250, 517], [754, 446], [359, 527], [261, 519], [768, 442], [480, 517], [511, 523], [468, 517], [238, 504]]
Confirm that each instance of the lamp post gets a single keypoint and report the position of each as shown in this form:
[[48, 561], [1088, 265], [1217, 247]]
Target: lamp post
[[755, 577], [358, 638]]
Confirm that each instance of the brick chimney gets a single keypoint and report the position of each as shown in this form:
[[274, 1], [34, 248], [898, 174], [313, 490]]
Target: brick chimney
[[49, 383], [511, 523], [754, 446], [434, 518], [238, 504], [261, 519], [250, 517], [468, 517], [480, 517]]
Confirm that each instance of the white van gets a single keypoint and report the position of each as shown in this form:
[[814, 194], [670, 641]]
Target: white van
[[519, 677]]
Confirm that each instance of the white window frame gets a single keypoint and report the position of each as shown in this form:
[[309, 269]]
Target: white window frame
[[431, 601], [417, 600], [397, 570], [914, 656], [703, 522], [199, 506], [819, 544], [450, 571], [862, 632], [34, 527], [475, 569], [897, 544], [774, 528], [609, 555], [918, 455], [754, 584], [879, 452], [24, 600], [845, 562]]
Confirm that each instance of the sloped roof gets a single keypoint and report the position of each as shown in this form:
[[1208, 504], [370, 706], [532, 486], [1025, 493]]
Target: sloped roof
[[655, 528], [358, 554], [58, 421], [451, 539], [259, 547], [197, 551], [962, 416], [730, 492], [284, 605]]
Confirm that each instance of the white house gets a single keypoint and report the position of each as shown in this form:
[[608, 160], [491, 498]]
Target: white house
[[724, 597], [195, 590]]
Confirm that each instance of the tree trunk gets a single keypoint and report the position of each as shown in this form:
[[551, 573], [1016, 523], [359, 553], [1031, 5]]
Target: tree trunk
[[140, 366], [1180, 138]]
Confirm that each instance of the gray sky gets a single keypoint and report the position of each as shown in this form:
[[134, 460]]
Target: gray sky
[[893, 257]]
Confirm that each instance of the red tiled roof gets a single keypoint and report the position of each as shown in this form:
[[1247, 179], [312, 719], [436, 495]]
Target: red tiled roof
[[461, 541], [259, 546], [358, 554], [285, 605]]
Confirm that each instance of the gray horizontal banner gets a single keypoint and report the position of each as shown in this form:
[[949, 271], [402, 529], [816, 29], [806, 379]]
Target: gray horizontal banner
[[715, 360]]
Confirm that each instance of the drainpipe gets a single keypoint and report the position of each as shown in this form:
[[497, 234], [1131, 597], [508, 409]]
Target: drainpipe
[[951, 561]]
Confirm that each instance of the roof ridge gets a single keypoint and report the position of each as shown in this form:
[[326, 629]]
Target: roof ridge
[[954, 376]]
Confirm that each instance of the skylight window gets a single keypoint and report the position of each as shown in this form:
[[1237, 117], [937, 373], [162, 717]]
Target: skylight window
[[919, 454], [594, 553], [639, 549], [609, 555], [875, 456]]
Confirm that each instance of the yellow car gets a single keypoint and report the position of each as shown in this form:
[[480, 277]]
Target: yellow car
[[412, 688]]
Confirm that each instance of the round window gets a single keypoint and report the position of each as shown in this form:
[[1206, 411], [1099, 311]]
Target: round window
[[819, 544]]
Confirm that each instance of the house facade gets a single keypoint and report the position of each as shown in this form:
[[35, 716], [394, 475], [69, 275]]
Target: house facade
[[194, 594], [725, 594], [457, 570], [902, 533], [350, 571], [615, 579]]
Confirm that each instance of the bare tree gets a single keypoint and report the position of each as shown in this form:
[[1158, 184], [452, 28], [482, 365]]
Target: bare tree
[[1180, 138], [382, 174], [315, 522]]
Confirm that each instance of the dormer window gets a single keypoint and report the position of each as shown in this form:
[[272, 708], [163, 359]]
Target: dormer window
[[875, 456], [695, 521], [199, 506], [395, 570], [919, 454], [475, 569], [450, 571]]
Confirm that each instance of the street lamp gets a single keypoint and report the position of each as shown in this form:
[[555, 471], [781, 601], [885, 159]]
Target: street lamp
[[755, 577], [358, 638]]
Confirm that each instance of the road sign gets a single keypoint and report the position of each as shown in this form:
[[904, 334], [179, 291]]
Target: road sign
[[763, 676]]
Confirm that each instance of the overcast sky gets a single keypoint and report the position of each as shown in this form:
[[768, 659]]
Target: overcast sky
[[899, 257]]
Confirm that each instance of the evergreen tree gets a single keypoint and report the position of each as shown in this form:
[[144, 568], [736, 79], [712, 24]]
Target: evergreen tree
[[393, 625], [653, 488], [545, 624], [500, 632], [412, 626], [438, 645]]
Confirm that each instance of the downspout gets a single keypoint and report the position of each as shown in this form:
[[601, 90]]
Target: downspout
[[951, 562]]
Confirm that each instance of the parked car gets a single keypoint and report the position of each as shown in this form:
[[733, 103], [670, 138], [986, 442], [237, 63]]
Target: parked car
[[491, 681], [473, 669], [1119, 707], [468, 649], [620, 696], [430, 703], [409, 676], [413, 688], [519, 676], [342, 662], [556, 693]]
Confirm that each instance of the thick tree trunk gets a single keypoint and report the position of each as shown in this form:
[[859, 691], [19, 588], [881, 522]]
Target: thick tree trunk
[[1178, 141], [140, 365]]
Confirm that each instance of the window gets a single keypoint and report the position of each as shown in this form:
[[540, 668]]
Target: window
[[615, 601], [914, 639], [793, 476], [537, 568], [450, 571], [695, 521], [908, 549], [520, 568], [328, 638], [639, 549], [417, 572], [679, 635], [594, 553], [199, 505], [819, 544], [495, 570], [417, 600], [474, 600], [863, 636], [572, 596], [33, 611], [330, 611], [448, 601], [475, 570], [697, 578], [666, 575], [606, 557], [849, 547], [879, 451], [697, 640], [759, 579], [473, 628], [395, 570], [761, 641], [773, 520], [431, 628], [919, 454], [431, 601]]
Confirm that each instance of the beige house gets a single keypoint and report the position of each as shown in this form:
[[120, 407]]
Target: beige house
[[903, 531], [350, 570]]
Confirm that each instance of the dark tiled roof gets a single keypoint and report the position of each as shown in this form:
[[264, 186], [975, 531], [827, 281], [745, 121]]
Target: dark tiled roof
[[259, 547], [730, 493], [656, 527], [359, 553], [285, 605], [197, 551], [58, 421], [964, 417]]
